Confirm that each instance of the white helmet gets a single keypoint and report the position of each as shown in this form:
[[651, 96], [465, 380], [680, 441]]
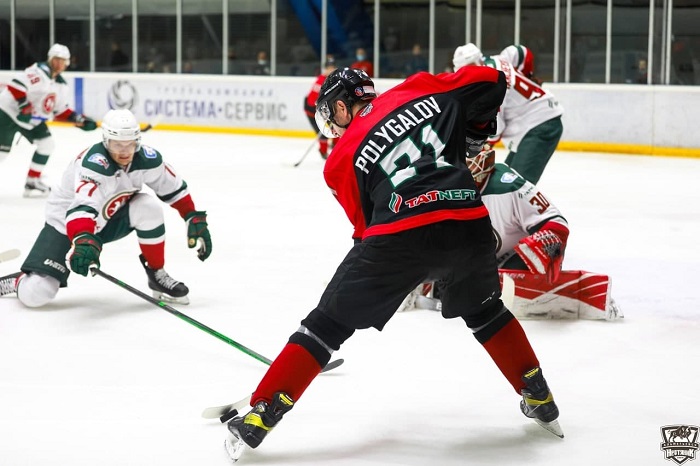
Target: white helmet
[[60, 51], [120, 125], [482, 164], [468, 54]]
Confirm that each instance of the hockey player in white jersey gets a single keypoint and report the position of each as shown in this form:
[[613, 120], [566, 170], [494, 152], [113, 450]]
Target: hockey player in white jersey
[[529, 122], [31, 99], [99, 200]]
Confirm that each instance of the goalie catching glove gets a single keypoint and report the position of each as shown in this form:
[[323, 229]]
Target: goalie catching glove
[[198, 233], [543, 251], [86, 252]]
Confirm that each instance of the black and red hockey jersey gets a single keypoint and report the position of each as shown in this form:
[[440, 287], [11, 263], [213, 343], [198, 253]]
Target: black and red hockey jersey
[[400, 164]]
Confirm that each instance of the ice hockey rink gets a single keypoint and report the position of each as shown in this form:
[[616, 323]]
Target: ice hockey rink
[[102, 377]]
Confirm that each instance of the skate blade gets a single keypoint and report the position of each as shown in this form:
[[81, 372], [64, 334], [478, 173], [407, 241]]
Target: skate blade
[[234, 447], [166, 298], [35, 194], [552, 427]]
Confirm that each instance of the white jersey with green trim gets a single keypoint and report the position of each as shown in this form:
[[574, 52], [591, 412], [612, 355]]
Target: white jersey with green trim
[[516, 207], [48, 96], [525, 106], [95, 187]]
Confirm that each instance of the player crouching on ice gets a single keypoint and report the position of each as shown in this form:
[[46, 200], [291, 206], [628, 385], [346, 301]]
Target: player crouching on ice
[[531, 236], [99, 200]]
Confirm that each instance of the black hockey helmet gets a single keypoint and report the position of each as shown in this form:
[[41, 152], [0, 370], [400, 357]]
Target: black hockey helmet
[[347, 84]]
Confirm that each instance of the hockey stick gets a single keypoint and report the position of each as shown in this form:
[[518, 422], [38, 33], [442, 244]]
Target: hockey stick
[[9, 255], [152, 124], [315, 141], [199, 325]]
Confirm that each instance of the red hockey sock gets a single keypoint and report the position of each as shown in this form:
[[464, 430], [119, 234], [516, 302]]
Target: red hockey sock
[[511, 351], [323, 146], [291, 372], [154, 254]]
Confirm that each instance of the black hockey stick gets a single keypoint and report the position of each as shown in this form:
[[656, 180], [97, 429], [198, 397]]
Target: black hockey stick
[[152, 124], [199, 325], [318, 136]]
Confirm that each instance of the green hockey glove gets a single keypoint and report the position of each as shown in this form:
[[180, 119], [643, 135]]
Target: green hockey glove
[[25, 111], [198, 233], [86, 252]]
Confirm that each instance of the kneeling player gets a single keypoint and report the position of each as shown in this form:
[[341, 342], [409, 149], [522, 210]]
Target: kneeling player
[[98, 201]]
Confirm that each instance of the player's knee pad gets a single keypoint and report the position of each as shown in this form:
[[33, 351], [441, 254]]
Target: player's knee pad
[[45, 146], [35, 290], [320, 335], [145, 212], [488, 321]]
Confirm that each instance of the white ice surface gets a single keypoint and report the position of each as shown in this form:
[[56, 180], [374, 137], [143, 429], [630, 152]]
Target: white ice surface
[[102, 377]]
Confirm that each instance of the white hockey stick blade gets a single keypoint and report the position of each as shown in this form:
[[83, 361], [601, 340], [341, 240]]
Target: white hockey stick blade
[[215, 412], [508, 292], [552, 427], [9, 255]]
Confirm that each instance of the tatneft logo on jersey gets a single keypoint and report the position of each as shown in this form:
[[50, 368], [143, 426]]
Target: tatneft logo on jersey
[[680, 442], [55, 265], [431, 196]]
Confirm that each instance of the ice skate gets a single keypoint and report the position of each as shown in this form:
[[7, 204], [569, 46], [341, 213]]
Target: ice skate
[[538, 402], [250, 430], [164, 287], [35, 187], [8, 283]]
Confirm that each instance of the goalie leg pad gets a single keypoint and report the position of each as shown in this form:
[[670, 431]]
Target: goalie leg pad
[[576, 294]]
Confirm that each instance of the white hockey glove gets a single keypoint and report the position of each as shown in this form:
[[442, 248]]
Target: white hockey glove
[[543, 253]]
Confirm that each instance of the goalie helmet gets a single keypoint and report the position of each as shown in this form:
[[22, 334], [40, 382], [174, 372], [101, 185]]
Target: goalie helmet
[[468, 54], [59, 51], [120, 125], [481, 165], [347, 85]]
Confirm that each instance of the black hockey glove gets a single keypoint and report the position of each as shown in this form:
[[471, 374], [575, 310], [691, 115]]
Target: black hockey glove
[[198, 233], [86, 252]]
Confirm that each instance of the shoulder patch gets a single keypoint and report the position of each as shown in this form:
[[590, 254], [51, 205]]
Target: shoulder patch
[[508, 177], [503, 180], [96, 160], [146, 158], [99, 159], [149, 152]]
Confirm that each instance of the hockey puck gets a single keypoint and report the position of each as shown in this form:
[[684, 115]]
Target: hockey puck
[[228, 416]]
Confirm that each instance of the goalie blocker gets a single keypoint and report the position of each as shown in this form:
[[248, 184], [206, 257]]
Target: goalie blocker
[[576, 294]]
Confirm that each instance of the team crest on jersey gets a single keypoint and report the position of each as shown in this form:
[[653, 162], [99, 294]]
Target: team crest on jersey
[[117, 201], [395, 202], [508, 177], [99, 159], [49, 103]]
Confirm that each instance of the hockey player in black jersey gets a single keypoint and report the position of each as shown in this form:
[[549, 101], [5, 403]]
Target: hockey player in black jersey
[[398, 170]]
